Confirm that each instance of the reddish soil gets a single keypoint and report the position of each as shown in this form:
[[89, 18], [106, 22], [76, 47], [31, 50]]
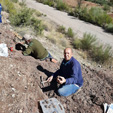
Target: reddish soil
[[20, 88], [111, 15], [74, 3]]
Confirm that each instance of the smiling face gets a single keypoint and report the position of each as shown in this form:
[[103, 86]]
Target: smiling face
[[67, 54]]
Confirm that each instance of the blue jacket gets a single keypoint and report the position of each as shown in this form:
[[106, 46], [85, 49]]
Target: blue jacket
[[71, 71]]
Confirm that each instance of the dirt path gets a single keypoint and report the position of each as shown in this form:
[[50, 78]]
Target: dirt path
[[78, 26]]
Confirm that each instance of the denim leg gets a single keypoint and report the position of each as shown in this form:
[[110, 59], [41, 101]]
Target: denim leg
[[47, 57], [50, 57], [67, 90]]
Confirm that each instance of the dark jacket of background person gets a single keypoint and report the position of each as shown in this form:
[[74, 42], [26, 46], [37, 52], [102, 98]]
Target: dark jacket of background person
[[36, 49], [71, 71]]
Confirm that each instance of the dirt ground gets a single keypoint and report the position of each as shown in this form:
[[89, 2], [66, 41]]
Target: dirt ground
[[74, 3], [21, 91], [88, 4]]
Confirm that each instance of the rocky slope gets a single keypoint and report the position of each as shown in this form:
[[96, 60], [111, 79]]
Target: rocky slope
[[20, 88]]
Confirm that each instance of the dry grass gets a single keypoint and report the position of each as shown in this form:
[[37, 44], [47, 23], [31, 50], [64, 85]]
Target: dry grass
[[57, 38], [83, 54]]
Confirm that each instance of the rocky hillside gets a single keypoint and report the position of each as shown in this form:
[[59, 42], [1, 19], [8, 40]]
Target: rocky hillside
[[21, 91]]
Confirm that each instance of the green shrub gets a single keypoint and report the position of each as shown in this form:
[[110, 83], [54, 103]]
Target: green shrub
[[106, 7], [109, 28], [49, 2], [40, 1], [61, 5], [58, 4], [106, 19], [94, 15], [8, 6], [77, 11], [70, 33], [98, 16], [61, 29], [84, 14], [38, 14], [102, 2], [101, 53], [77, 43], [22, 4], [72, 13], [88, 41], [22, 17], [15, 1], [37, 25]]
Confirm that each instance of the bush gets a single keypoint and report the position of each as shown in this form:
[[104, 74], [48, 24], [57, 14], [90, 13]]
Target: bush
[[38, 14], [49, 2], [61, 29], [15, 1], [94, 15], [8, 6], [109, 28], [102, 2], [88, 41], [22, 17], [71, 12], [106, 7], [37, 26], [77, 43], [61, 6], [99, 16], [22, 4], [70, 33], [84, 14], [101, 54]]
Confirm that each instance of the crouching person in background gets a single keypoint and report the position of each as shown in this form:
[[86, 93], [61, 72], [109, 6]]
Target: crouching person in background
[[36, 49]]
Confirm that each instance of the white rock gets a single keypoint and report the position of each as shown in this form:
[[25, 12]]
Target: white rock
[[20, 111], [13, 95], [13, 89]]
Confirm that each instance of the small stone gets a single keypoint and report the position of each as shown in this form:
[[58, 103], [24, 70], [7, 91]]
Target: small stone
[[25, 87], [11, 65], [99, 66], [18, 73], [13, 95], [13, 89], [20, 111]]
